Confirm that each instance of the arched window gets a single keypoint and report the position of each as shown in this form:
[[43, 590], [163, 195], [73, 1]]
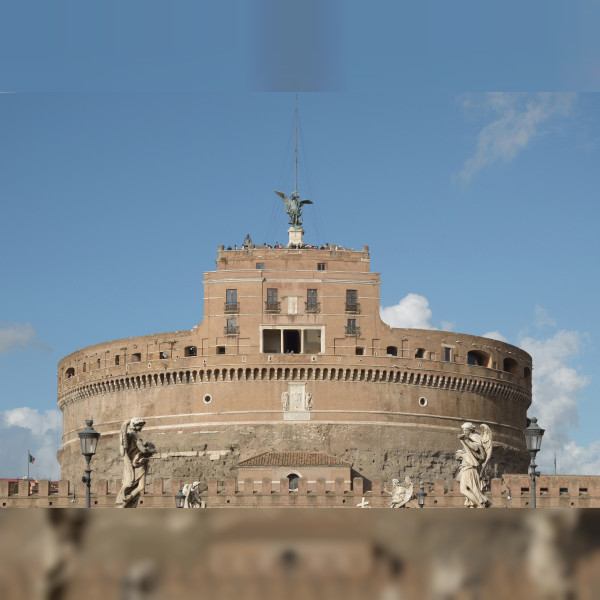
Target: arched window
[[478, 358], [527, 373], [420, 353], [293, 479], [511, 365], [70, 372]]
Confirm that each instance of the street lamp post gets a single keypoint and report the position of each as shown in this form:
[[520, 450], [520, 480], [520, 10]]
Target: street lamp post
[[421, 495], [533, 438], [89, 440]]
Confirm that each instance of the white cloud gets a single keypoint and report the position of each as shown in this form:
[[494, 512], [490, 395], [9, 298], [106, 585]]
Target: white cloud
[[519, 117], [23, 429], [556, 390], [542, 318], [448, 326], [13, 335], [495, 335], [412, 311]]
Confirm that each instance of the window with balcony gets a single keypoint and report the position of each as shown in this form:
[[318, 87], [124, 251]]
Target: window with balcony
[[352, 304], [351, 328], [231, 303], [272, 304], [232, 327], [312, 303]]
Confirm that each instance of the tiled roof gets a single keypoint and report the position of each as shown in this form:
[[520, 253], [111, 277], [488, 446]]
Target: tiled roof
[[293, 459]]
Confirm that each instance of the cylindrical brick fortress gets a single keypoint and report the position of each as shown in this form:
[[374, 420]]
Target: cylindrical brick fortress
[[292, 356]]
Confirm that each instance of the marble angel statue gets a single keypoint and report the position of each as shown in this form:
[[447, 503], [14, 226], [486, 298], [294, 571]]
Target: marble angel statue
[[136, 454], [474, 456], [401, 494]]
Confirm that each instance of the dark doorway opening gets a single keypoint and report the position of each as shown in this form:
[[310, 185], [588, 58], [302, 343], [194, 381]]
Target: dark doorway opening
[[291, 341]]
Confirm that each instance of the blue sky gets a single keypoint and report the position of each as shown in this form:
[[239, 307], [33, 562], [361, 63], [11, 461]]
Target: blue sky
[[132, 147]]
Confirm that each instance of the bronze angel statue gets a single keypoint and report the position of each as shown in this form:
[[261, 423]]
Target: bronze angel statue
[[293, 207], [474, 456]]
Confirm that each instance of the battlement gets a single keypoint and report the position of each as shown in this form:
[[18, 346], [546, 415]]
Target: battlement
[[512, 491]]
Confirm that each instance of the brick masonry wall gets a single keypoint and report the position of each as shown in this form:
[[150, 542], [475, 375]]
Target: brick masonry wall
[[570, 491]]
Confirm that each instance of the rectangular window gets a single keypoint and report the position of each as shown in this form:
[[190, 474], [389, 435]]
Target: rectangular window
[[260, 266], [117, 359], [231, 303], [352, 301], [99, 363], [312, 303], [320, 266], [232, 327], [220, 349], [360, 351], [447, 354], [137, 357], [163, 355], [272, 302], [351, 328], [84, 365]]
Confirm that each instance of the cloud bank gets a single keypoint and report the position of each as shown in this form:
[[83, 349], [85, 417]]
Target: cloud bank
[[518, 121]]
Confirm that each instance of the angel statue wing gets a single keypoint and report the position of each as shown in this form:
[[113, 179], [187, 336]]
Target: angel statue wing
[[302, 202], [408, 492], [486, 441], [123, 438]]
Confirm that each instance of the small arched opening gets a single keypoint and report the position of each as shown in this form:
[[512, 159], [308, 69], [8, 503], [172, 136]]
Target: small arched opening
[[293, 481], [510, 365], [478, 358], [420, 353]]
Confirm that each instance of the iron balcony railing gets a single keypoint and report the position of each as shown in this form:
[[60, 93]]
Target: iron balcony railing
[[352, 307], [232, 330], [272, 307], [232, 307], [312, 307], [353, 331]]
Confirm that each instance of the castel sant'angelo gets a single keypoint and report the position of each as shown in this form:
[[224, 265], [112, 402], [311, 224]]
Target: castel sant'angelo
[[292, 370]]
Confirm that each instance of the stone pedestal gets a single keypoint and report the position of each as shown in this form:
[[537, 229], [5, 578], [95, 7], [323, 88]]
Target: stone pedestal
[[295, 235]]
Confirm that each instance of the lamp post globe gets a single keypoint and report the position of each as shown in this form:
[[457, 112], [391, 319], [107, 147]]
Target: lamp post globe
[[89, 441], [533, 439], [179, 499]]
